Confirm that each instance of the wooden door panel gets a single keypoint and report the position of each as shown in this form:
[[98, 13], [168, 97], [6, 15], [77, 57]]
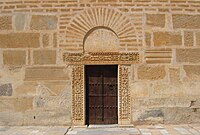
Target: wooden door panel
[[101, 91]]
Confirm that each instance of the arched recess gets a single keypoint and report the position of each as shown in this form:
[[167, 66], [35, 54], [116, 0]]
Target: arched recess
[[106, 18], [101, 39]]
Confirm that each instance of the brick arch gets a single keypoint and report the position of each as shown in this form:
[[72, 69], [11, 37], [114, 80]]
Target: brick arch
[[107, 18]]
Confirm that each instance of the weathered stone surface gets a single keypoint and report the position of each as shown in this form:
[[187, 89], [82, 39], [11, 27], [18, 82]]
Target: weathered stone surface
[[61, 116], [5, 22], [139, 90], [195, 104], [43, 22], [161, 102], [45, 40], [186, 21], [101, 40], [21, 104], [157, 20], [192, 71], [52, 102], [20, 21], [6, 89], [151, 116], [46, 73], [172, 115], [167, 39], [148, 39], [11, 118], [26, 89], [164, 90], [42, 57], [19, 40], [188, 55], [188, 38], [174, 75], [151, 72], [177, 115], [198, 39], [14, 57], [55, 88], [55, 40]]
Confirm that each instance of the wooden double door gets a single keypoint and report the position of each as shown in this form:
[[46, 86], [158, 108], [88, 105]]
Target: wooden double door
[[101, 95]]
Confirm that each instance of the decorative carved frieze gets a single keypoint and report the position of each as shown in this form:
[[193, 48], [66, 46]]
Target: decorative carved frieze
[[103, 58], [124, 94], [78, 94]]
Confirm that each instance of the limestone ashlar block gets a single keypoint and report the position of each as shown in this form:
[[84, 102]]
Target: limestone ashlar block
[[192, 72], [19, 40], [148, 39], [186, 21], [45, 40], [14, 57], [45, 73], [151, 72], [198, 38], [42, 57], [188, 38], [43, 22], [188, 55], [5, 22], [156, 20], [167, 39], [6, 89], [20, 104]]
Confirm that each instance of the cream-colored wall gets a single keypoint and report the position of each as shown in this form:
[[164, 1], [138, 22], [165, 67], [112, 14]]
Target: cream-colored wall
[[36, 84]]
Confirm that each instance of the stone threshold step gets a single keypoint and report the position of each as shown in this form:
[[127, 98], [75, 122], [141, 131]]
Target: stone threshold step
[[111, 126]]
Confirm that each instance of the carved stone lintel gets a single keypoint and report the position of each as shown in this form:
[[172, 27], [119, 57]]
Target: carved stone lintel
[[124, 95], [101, 58], [78, 95]]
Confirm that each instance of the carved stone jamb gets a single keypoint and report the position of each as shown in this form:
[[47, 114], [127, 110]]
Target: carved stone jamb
[[124, 102], [78, 99]]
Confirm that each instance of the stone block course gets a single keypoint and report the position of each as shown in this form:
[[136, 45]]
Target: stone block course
[[14, 58], [192, 72], [197, 38], [21, 21], [45, 73], [188, 38], [45, 40], [186, 21], [19, 40], [167, 39], [146, 72], [155, 20], [6, 89], [5, 22], [43, 22], [188, 55], [174, 75], [42, 57], [21, 104]]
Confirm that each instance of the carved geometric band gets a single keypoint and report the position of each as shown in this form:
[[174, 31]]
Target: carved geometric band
[[103, 58]]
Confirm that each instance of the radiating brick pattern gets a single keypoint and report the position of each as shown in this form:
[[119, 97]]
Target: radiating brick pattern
[[98, 18]]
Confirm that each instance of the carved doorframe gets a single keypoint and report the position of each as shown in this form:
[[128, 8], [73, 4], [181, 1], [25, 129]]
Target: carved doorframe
[[78, 61]]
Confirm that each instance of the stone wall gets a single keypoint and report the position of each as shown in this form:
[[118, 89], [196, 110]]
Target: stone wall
[[35, 82]]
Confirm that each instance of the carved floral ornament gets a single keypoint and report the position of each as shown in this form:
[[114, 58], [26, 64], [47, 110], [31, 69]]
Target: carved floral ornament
[[101, 58]]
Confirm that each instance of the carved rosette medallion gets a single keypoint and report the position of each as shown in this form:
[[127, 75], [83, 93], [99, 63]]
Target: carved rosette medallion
[[124, 95], [78, 94], [101, 58]]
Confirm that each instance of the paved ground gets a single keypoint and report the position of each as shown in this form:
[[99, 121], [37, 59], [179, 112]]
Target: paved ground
[[193, 129]]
